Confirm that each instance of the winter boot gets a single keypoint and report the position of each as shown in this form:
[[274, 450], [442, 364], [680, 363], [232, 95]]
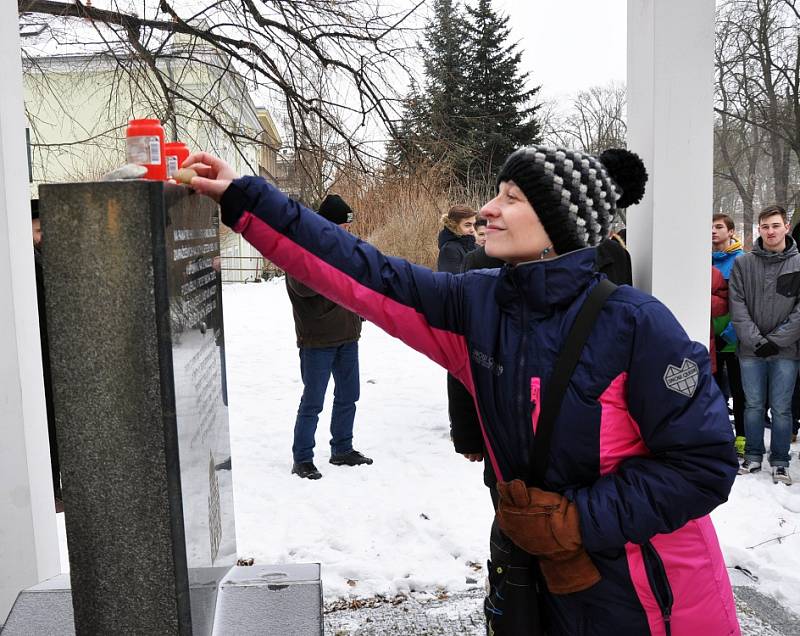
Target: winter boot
[[351, 458], [306, 470]]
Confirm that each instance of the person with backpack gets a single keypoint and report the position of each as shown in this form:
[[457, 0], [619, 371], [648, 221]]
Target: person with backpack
[[635, 448]]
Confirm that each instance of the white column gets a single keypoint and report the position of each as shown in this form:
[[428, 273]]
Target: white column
[[28, 536], [670, 125]]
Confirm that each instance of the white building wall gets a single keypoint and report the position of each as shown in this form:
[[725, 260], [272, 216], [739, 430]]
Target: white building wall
[[79, 107], [28, 536]]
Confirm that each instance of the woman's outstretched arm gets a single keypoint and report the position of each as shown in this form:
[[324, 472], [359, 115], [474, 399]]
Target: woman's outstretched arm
[[412, 303]]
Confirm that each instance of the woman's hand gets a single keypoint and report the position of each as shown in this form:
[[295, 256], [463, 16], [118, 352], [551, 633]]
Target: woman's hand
[[213, 174]]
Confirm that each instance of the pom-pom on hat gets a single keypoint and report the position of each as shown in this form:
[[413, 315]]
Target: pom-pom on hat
[[334, 208], [575, 195]]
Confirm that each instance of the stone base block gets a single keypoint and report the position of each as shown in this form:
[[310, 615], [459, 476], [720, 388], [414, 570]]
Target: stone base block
[[270, 599], [261, 599], [42, 610]]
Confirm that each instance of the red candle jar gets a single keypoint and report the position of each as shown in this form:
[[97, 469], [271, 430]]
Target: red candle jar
[[176, 153], [145, 146]]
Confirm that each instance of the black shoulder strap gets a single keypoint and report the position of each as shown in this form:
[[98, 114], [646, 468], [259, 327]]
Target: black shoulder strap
[[559, 380]]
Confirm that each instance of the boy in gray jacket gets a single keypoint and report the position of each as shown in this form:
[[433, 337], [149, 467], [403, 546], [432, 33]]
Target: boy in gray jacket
[[763, 297]]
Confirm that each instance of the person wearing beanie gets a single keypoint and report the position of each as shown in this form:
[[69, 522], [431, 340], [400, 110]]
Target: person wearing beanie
[[335, 209], [612, 517], [327, 340], [456, 239]]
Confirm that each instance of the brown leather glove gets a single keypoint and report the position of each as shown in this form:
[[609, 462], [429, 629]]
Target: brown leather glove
[[546, 525]]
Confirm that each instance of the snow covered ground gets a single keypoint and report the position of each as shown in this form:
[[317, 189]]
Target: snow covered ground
[[414, 520], [418, 518]]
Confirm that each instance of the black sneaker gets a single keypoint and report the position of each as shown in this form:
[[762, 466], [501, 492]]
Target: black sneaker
[[781, 474], [350, 458], [749, 466], [306, 470]]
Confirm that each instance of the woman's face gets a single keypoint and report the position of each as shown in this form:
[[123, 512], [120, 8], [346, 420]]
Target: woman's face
[[466, 226], [514, 232]]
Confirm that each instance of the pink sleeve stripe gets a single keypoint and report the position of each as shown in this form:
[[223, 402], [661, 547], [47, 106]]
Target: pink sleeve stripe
[[447, 349]]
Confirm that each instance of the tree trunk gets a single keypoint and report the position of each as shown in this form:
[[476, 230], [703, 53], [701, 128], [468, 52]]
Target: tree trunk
[[747, 223]]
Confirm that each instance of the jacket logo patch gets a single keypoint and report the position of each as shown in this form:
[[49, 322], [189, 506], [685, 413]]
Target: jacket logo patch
[[486, 361], [682, 380]]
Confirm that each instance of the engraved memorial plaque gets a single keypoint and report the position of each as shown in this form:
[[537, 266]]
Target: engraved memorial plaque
[[198, 359]]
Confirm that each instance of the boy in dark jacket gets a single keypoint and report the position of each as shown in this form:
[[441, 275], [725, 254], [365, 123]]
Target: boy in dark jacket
[[327, 337]]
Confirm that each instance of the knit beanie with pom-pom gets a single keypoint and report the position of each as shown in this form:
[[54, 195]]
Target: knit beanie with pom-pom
[[575, 195]]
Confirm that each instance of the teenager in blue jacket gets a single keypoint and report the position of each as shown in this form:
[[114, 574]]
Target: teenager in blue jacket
[[641, 450]]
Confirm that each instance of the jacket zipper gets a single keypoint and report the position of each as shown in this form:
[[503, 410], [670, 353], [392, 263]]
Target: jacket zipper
[[659, 583], [522, 397]]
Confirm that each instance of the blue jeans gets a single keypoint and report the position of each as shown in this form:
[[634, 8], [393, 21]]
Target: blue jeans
[[779, 375], [316, 367]]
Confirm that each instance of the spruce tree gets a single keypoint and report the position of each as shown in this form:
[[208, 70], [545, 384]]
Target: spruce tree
[[499, 111], [408, 146], [442, 108]]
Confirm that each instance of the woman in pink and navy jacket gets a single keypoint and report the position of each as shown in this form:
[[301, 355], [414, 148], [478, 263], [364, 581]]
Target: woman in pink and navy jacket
[[642, 449]]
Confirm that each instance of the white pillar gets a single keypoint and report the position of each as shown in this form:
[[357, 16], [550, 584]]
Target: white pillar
[[670, 125], [28, 535]]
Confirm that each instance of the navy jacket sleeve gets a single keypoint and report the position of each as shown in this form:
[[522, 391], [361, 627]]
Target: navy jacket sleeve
[[684, 423], [421, 307]]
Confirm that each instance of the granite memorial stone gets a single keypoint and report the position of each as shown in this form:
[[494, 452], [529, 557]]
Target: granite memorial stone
[[138, 353], [134, 308]]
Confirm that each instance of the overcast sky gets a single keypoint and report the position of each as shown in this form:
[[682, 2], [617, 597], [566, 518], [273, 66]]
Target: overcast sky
[[571, 44]]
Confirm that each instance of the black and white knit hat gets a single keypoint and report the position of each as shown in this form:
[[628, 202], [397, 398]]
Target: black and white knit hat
[[575, 195]]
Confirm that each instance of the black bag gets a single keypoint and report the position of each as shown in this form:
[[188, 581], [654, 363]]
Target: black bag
[[512, 601]]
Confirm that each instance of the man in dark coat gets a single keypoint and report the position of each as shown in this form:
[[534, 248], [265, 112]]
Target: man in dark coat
[[327, 338]]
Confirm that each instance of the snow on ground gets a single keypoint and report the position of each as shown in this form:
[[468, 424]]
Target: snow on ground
[[414, 520], [368, 525], [759, 528]]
